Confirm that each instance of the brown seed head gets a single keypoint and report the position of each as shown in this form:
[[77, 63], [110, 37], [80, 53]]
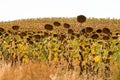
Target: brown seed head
[[15, 27], [106, 37], [48, 27], [94, 36], [70, 31], [2, 30], [37, 36], [56, 23], [81, 18], [89, 29], [106, 30], [98, 30], [66, 25]]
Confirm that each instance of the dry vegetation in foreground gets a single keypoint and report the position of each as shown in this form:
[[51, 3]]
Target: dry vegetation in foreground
[[38, 71], [28, 71]]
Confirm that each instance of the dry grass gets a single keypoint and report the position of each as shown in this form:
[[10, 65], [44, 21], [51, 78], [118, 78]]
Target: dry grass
[[28, 71], [35, 71], [116, 70], [38, 71]]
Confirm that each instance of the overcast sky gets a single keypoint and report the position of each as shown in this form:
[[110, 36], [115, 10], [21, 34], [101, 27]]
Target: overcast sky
[[22, 9]]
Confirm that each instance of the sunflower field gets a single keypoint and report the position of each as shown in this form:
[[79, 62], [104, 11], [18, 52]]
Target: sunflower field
[[86, 44]]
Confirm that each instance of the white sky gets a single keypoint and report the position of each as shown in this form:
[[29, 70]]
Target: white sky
[[22, 9]]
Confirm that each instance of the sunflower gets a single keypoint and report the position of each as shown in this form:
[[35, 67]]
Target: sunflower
[[97, 58], [81, 18], [56, 23], [2, 29], [48, 27], [89, 29], [66, 25], [15, 27]]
